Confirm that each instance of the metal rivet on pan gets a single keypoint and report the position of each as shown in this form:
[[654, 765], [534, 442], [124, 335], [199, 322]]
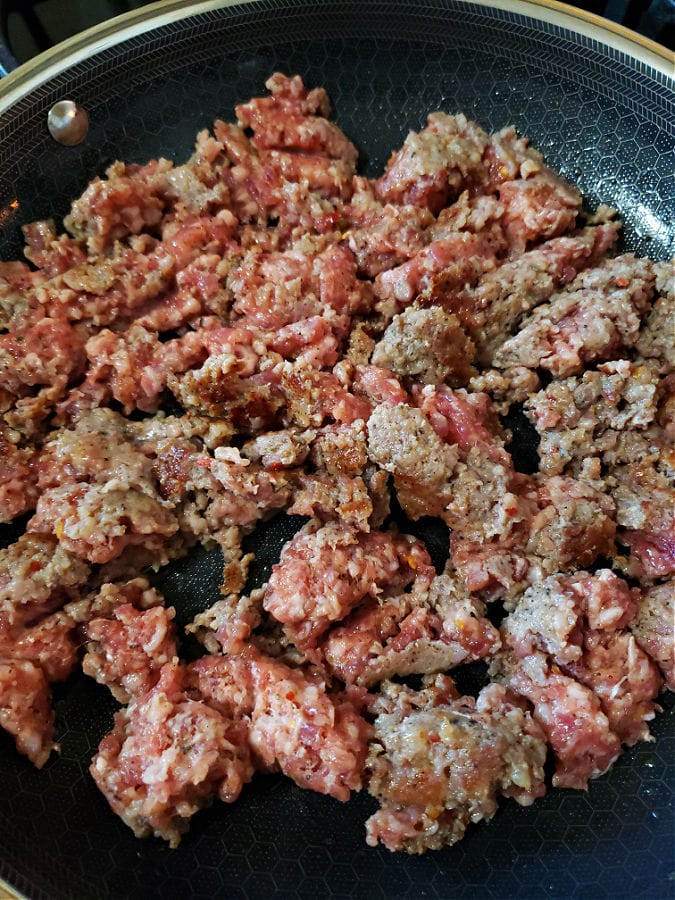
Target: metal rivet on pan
[[68, 123]]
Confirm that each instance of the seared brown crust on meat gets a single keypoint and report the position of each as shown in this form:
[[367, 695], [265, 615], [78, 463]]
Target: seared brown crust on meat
[[428, 345], [573, 415], [595, 318], [437, 763], [402, 441], [653, 627], [36, 575]]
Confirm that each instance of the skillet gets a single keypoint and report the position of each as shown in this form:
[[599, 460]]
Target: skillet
[[600, 105]]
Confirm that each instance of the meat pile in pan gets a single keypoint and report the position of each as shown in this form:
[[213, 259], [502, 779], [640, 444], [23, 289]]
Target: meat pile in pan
[[261, 332]]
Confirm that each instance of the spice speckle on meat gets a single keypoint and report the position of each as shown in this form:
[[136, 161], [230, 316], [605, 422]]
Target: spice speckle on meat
[[168, 756], [260, 332], [439, 762]]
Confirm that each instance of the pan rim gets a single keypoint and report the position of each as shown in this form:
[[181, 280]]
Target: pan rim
[[39, 70]]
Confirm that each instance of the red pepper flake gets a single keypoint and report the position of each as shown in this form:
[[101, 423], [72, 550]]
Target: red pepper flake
[[621, 282], [290, 695], [203, 463], [434, 738]]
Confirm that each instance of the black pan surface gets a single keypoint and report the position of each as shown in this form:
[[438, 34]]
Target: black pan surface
[[603, 114]]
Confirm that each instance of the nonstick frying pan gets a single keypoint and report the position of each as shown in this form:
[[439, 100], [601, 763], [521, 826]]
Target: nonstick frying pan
[[600, 104]]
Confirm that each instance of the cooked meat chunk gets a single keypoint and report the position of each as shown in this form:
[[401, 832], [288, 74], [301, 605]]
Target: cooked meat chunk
[[340, 497], [134, 366], [438, 763], [508, 156], [468, 420], [378, 385], [645, 513], [260, 332], [433, 164], [224, 683], [574, 524], [281, 449], [381, 236], [492, 310], [212, 492], [596, 317], [578, 621], [656, 337], [52, 254], [553, 616], [653, 627], [507, 387], [273, 290], [102, 603], [49, 351], [317, 739], [567, 523], [318, 398], [92, 514], [18, 477], [299, 190], [573, 415], [125, 203], [51, 643], [128, 650], [402, 441], [427, 344], [623, 677], [341, 449], [125, 516], [540, 206], [452, 262], [294, 118], [37, 575], [229, 623]]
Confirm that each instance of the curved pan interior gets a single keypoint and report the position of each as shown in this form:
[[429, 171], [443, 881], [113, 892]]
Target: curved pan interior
[[605, 120]]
